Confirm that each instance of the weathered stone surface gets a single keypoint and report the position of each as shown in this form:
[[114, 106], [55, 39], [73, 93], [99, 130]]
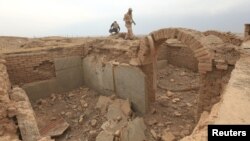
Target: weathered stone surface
[[130, 83], [97, 76], [55, 128], [134, 131], [68, 62], [41, 89], [168, 136], [104, 136], [103, 103]]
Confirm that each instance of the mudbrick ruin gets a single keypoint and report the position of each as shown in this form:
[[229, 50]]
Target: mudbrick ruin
[[168, 85]]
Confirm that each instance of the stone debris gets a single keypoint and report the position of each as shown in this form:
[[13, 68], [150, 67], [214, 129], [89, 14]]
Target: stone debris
[[55, 128], [170, 94], [103, 103], [167, 136], [153, 133], [119, 125], [93, 122], [104, 136], [175, 100]]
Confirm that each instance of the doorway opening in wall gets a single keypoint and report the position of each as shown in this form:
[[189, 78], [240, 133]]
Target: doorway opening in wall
[[178, 83]]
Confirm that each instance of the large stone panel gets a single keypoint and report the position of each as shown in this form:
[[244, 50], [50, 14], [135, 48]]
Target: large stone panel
[[130, 83], [97, 75], [67, 62], [41, 89]]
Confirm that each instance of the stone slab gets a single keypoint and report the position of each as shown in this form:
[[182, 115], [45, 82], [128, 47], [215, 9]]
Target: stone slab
[[130, 83], [69, 79], [67, 62], [41, 89], [98, 76]]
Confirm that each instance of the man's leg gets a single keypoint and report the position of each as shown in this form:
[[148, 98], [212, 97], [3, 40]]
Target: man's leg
[[130, 33]]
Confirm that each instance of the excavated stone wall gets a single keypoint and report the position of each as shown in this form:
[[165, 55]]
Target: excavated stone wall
[[32, 66]]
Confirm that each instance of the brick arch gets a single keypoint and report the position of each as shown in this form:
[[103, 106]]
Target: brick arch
[[193, 39], [225, 37]]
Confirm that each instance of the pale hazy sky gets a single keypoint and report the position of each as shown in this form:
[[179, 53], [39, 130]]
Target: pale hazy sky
[[93, 17]]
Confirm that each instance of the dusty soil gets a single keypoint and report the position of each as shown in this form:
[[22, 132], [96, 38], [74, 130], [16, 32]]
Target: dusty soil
[[174, 111], [77, 108]]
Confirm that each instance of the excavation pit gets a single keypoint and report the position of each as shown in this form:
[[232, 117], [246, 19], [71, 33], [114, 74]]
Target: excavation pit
[[170, 77]]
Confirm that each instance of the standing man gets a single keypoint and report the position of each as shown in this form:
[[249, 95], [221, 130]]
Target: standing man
[[114, 28], [128, 18]]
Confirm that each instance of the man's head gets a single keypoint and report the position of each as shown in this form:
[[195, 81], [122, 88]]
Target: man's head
[[130, 10], [115, 22]]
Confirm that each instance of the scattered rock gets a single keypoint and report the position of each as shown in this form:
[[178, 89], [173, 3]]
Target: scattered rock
[[92, 132], [170, 94], [160, 125], [168, 136], [153, 133], [83, 102], [126, 108], [119, 118], [85, 105], [175, 100], [182, 74], [176, 113], [42, 102], [152, 122], [53, 97], [135, 131], [153, 111], [105, 125], [117, 133], [189, 104], [81, 118], [103, 103], [68, 114], [93, 122], [74, 106], [112, 97], [184, 133], [172, 80], [53, 118], [55, 128], [104, 136], [71, 95]]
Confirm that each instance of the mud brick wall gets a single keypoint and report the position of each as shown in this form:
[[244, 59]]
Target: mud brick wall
[[37, 65], [7, 125], [247, 30], [226, 37]]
